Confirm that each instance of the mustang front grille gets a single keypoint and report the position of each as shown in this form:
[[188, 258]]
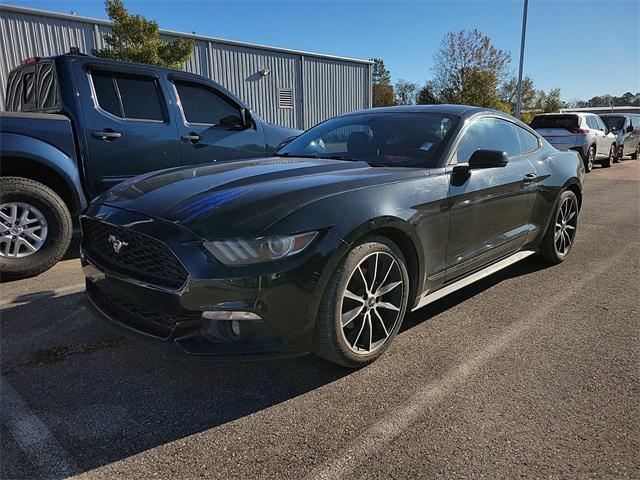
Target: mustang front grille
[[131, 253]]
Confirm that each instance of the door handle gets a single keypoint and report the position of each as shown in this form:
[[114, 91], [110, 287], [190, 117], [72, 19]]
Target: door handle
[[529, 178], [191, 137], [107, 135]]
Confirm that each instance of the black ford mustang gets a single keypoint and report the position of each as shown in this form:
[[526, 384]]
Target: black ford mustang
[[325, 246]]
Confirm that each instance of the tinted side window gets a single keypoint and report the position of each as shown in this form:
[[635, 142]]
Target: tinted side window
[[202, 104], [137, 95], [106, 94], [489, 133], [528, 142], [140, 97]]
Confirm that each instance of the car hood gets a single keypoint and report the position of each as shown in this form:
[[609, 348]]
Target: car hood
[[243, 198]]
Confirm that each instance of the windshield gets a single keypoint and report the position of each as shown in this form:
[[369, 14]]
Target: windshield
[[613, 123], [403, 139]]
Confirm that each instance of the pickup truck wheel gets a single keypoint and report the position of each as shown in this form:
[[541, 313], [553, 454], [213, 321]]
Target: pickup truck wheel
[[35, 228]]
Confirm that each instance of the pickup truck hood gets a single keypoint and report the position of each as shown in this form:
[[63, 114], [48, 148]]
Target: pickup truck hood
[[243, 198]]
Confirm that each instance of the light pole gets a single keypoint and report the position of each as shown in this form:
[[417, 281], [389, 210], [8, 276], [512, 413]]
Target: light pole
[[524, 32]]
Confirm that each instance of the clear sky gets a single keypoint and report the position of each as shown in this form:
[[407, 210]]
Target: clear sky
[[585, 47]]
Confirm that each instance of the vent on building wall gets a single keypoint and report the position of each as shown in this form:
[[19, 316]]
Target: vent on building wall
[[285, 98]]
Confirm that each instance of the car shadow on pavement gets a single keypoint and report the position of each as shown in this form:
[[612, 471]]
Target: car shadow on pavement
[[105, 398]]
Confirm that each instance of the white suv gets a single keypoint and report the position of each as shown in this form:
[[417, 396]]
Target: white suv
[[585, 133]]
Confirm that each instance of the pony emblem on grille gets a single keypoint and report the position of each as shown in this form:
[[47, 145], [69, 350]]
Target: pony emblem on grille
[[116, 243]]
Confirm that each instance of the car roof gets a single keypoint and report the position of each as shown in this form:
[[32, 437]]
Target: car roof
[[623, 114], [445, 109]]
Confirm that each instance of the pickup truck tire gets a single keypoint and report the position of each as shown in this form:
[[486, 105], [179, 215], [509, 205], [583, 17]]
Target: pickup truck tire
[[46, 204]]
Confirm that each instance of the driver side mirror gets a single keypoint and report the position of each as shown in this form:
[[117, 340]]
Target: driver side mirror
[[484, 158], [630, 129]]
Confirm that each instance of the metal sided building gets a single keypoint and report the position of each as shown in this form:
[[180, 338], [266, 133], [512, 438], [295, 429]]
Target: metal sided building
[[288, 87]]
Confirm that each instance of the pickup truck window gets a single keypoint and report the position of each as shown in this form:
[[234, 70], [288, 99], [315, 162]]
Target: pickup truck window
[[132, 97], [33, 88], [201, 104]]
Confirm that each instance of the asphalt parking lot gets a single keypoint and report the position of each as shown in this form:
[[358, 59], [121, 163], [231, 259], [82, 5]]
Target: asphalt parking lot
[[532, 372]]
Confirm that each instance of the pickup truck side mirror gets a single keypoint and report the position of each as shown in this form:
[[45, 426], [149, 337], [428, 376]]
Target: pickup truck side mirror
[[247, 119]]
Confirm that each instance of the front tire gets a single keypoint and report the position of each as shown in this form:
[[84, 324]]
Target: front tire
[[561, 232], [363, 305], [590, 158], [35, 228]]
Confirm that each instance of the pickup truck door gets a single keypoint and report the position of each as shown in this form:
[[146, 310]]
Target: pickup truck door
[[210, 125], [128, 127]]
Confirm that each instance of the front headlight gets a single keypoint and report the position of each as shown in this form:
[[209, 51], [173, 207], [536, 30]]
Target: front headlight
[[259, 250]]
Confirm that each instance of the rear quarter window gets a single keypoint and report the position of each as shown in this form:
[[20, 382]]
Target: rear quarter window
[[528, 141]]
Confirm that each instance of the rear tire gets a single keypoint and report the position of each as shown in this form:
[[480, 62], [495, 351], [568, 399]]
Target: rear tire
[[635, 155], [355, 324], [619, 154], [607, 162], [563, 223], [590, 158], [17, 259]]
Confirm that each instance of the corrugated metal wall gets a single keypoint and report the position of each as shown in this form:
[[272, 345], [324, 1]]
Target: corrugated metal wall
[[322, 86]]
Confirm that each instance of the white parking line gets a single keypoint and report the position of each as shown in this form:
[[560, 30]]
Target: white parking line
[[385, 430], [16, 301], [33, 437]]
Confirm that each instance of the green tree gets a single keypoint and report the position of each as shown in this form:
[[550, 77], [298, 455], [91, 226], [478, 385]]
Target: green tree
[[380, 74], [553, 103], [464, 58], [405, 92], [509, 93], [382, 96], [382, 91], [133, 38], [426, 96], [480, 88]]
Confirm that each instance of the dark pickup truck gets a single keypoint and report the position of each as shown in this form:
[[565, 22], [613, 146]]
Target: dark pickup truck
[[77, 125]]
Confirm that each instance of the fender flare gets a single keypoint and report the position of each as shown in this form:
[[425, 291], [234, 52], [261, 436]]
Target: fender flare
[[23, 146]]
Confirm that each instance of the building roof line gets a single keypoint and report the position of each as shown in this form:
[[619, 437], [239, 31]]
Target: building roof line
[[224, 41]]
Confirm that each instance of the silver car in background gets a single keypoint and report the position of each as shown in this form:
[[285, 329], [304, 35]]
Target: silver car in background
[[585, 133], [626, 127]]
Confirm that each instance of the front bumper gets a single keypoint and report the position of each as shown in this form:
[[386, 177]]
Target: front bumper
[[285, 295]]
